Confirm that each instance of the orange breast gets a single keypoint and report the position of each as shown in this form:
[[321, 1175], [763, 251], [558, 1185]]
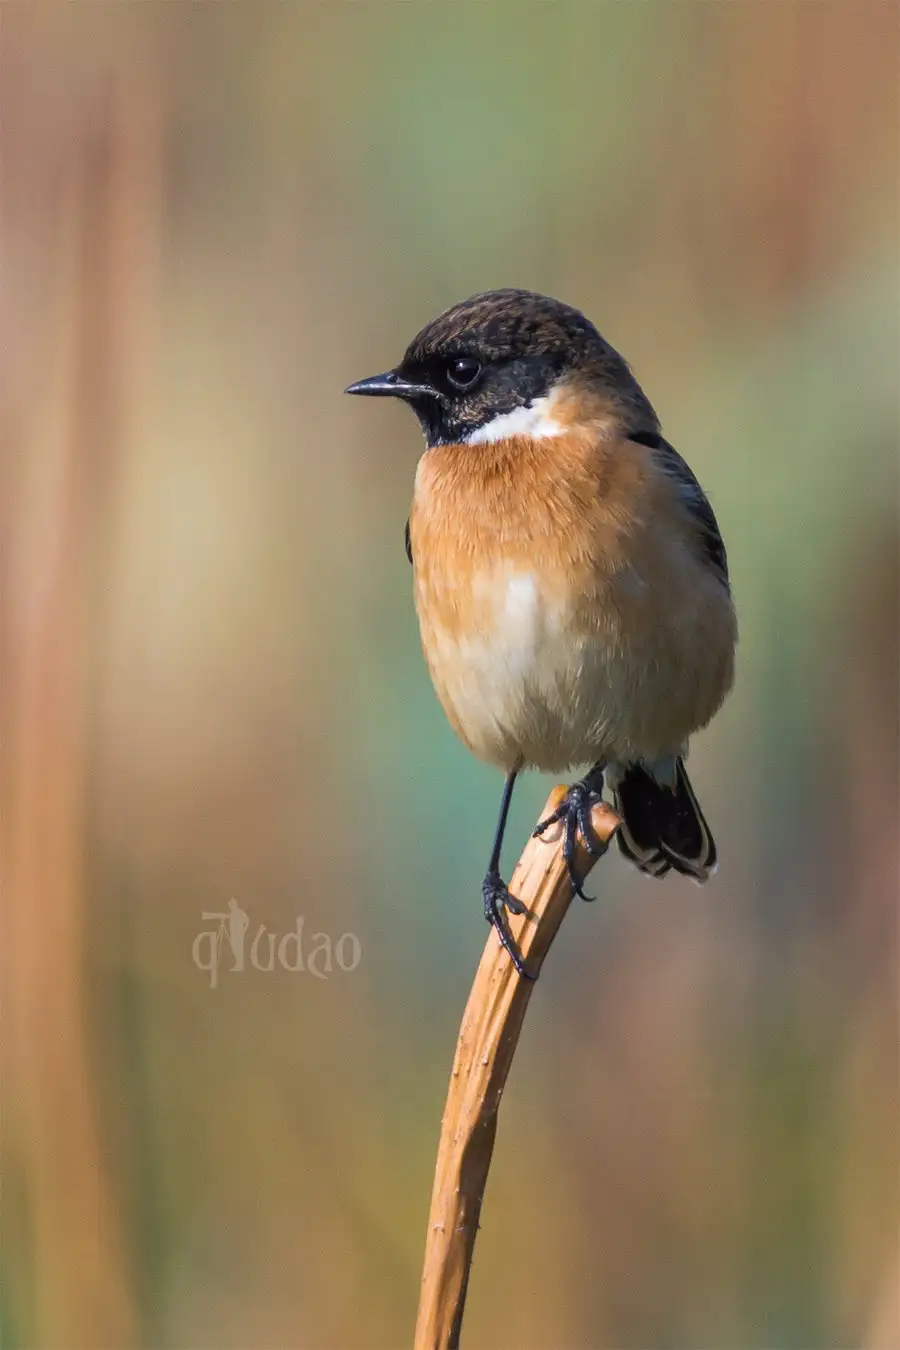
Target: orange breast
[[564, 615]]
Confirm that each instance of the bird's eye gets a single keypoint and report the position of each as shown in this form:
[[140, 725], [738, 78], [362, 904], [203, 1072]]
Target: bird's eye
[[463, 371]]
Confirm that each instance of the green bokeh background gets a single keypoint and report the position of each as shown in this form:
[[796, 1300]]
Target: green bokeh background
[[215, 217]]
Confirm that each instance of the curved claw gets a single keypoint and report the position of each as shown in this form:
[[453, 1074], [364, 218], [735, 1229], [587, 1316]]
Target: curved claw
[[544, 825], [595, 847], [497, 898], [575, 813]]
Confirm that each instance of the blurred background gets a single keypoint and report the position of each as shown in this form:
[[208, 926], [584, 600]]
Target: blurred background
[[215, 217]]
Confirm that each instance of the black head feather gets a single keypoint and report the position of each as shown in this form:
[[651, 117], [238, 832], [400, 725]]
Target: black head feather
[[499, 351]]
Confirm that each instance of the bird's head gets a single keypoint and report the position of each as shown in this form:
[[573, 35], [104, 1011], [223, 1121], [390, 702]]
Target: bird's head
[[499, 364]]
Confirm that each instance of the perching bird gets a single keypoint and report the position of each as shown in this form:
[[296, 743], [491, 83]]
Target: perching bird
[[569, 575]]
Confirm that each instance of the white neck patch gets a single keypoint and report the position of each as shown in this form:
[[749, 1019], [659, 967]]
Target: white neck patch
[[534, 421]]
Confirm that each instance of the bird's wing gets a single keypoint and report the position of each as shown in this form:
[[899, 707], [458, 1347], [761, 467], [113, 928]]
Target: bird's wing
[[692, 495], [407, 542]]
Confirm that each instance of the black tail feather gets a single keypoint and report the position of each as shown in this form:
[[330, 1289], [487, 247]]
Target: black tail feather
[[663, 827]]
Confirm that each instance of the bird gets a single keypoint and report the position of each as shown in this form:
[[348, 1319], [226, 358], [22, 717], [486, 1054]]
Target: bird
[[569, 576]]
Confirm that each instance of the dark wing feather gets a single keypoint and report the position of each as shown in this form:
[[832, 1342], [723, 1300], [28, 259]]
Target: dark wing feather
[[693, 496], [407, 542]]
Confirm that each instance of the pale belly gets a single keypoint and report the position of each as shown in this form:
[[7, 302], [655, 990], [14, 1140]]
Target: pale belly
[[531, 680]]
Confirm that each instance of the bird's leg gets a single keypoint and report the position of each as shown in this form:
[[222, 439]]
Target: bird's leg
[[496, 893], [575, 813]]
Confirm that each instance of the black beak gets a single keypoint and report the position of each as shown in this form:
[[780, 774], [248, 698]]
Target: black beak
[[390, 385]]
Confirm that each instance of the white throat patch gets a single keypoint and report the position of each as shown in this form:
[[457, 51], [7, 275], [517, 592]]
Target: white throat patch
[[535, 421]]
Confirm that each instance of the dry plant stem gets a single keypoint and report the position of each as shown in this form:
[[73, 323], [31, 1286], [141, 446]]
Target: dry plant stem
[[487, 1042]]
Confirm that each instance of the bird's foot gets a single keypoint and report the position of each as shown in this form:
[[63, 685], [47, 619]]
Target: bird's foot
[[575, 813], [497, 898]]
